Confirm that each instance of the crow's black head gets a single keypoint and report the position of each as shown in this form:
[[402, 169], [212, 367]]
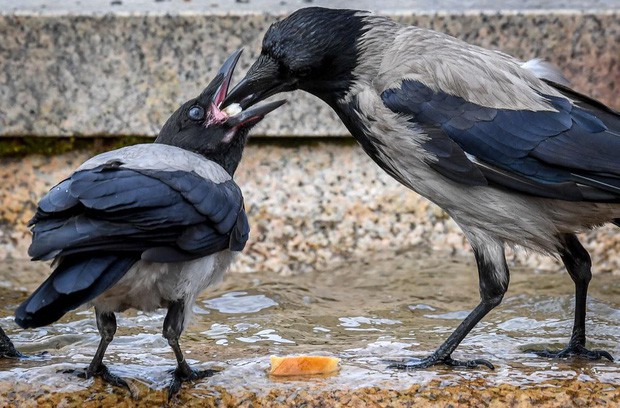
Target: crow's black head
[[314, 49], [200, 126]]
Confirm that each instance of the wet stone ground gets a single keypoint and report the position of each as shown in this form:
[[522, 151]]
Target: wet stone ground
[[363, 312]]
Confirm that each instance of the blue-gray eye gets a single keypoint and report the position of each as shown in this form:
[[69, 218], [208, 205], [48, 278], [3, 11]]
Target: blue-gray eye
[[196, 112]]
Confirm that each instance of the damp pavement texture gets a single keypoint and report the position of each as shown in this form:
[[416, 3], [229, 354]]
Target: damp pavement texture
[[310, 206], [365, 311], [100, 68]]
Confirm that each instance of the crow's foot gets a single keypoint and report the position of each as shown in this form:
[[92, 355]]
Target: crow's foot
[[184, 373], [573, 351], [12, 353], [6, 347], [416, 364], [101, 372]]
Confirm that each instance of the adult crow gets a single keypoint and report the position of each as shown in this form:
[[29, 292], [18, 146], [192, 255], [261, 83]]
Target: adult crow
[[512, 158], [147, 226]]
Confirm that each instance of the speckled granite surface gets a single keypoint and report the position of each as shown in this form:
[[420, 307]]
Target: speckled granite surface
[[570, 393], [311, 206], [286, 6], [69, 70]]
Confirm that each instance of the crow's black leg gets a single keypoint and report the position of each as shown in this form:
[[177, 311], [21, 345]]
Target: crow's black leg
[[106, 324], [578, 264], [7, 349], [493, 281], [173, 326]]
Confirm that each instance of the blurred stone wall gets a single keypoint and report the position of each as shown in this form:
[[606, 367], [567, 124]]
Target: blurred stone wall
[[108, 71]]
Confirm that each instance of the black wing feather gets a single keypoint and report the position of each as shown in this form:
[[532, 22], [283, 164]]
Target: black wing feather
[[57, 295], [122, 207], [571, 153]]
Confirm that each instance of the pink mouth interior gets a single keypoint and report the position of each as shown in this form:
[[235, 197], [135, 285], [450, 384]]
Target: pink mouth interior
[[215, 115], [221, 93]]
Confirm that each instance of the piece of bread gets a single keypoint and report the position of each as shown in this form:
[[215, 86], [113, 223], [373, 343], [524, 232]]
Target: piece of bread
[[303, 365]]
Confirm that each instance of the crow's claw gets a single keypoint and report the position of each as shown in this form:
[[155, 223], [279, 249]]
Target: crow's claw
[[573, 351], [11, 353], [103, 373], [415, 364], [7, 349], [184, 373]]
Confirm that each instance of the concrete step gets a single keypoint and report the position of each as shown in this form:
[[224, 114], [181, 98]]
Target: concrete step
[[115, 67]]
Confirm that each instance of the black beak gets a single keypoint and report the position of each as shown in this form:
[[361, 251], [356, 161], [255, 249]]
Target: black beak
[[261, 81], [254, 113], [248, 114], [226, 71]]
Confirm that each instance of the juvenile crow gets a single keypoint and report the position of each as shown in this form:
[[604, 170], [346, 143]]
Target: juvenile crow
[[512, 158], [147, 226]]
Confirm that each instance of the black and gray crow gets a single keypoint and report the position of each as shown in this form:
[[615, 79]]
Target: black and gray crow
[[147, 226], [509, 152]]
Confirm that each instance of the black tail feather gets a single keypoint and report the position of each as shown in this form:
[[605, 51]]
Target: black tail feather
[[616, 221], [93, 275]]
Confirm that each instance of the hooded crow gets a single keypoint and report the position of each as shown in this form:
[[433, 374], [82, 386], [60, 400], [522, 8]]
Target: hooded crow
[[147, 226], [511, 153]]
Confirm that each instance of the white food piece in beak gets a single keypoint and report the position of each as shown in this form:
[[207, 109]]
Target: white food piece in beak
[[232, 109]]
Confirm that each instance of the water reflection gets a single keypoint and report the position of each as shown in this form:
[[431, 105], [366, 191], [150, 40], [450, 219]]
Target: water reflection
[[362, 323], [239, 302], [421, 301]]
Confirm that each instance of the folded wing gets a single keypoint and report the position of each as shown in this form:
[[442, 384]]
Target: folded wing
[[569, 153]]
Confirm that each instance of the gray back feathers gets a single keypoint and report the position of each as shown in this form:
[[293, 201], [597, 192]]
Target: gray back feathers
[[443, 63], [160, 157]]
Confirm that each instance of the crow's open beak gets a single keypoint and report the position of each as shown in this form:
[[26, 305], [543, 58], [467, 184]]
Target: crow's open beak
[[253, 113], [238, 114], [260, 82], [227, 70]]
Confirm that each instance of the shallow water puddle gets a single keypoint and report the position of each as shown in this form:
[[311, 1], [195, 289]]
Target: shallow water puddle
[[364, 313]]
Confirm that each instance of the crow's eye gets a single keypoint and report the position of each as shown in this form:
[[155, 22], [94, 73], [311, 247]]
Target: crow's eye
[[303, 72], [196, 112]]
